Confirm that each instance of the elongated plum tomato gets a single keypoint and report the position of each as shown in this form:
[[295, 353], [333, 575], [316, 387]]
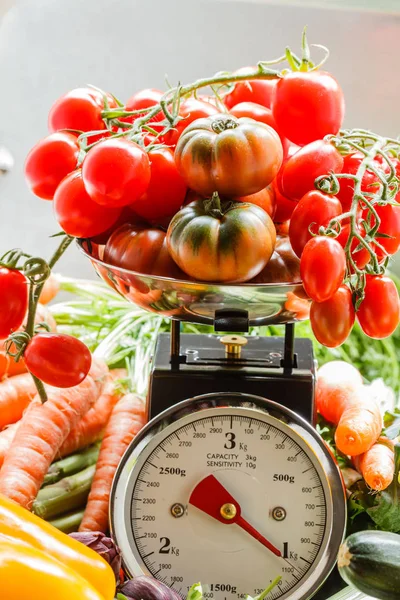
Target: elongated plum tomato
[[259, 113], [145, 99], [79, 109], [333, 319], [314, 210], [307, 106], [379, 312], [13, 300], [322, 267], [351, 164], [234, 157], [190, 110], [57, 359], [166, 191], [228, 242], [76, 212], [390, 225], [361, 256], [142, 250], [255, 90], [49, 162], [116, 172], [301, 170]]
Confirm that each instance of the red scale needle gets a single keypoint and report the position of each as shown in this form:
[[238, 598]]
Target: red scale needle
[[210, 496]]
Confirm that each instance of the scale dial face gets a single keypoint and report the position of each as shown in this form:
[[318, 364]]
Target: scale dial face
[[231, 496]]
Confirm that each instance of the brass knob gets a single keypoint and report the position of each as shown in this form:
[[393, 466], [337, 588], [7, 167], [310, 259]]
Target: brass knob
[[233, 345]]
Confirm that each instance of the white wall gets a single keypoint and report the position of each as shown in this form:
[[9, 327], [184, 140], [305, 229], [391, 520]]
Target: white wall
[[50, 46]]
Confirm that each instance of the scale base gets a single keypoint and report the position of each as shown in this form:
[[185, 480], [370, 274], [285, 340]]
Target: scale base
[[202, 367]]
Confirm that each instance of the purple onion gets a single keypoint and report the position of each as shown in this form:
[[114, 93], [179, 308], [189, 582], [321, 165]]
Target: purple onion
[[148, 588], [104, 546]]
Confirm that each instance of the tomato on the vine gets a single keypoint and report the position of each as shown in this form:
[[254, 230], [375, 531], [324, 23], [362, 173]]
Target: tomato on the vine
[[360, 255], [80, 109], [234, 157], [76, 212], [333, 319], [351, 164], [145, 99], [13, 300], [322, 267], [304, 166], [379, 312], [307, 106], [49, 162], [259, 113], [314, 210], [190, 110], [255, 90], [116, 172], [57, 359], [166, 191], [390, 225]]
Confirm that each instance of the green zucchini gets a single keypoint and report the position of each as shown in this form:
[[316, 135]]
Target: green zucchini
[[370, 561]]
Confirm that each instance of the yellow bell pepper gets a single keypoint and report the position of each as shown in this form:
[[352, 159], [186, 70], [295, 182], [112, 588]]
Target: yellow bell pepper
[[28, 573], [17, 522]]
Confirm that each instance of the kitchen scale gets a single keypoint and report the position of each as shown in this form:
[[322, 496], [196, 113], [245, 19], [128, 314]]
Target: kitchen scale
[[229, 483]]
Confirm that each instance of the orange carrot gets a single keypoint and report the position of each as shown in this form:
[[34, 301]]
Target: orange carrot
[[6, 438], [91, 427], [376, 466], [15, 395], [359, 427], [128, 417], [50, 289], [42, 431], [338, 384]]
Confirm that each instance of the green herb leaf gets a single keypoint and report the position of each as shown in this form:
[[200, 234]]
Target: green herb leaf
[[391, 421], [195, 592]]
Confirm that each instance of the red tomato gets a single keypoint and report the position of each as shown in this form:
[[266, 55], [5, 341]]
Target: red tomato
[[13, 300], [361, 257], [57, 359], [390, 225], [145, 99], [191, 110], [322, 267], [166, 192], [116, 172], [79, 109], [76, 212], [333, 319], [265, 199], [379, 312], [351, 164], [127, 216], [284, 206], [307, 106], [256, 90], [314, 210], [49, 162], [259, 113], [301, 170]]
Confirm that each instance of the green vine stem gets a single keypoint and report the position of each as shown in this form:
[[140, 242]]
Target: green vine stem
[[37, 271]]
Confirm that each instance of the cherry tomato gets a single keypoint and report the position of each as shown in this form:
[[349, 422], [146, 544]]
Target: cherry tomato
[[333, 319], [300, 170], [314, 210], [57, 359], [284, 206], [49, 162], [166, 192], [79, 109], [256, 90], [390, 225], [351, 164], [13, 300], [145, 99], [379, 312], [264, 198], [307, 106], [361, 256], [116, 172], [76, 212], [259, 113], [190, 110], [322, 267]]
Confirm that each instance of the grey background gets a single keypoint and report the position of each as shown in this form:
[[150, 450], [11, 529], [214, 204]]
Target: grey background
[[50, 46]]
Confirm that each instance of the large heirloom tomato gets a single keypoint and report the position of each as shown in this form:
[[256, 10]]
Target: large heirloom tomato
[[142, 250], [234, 157], [227, 243]]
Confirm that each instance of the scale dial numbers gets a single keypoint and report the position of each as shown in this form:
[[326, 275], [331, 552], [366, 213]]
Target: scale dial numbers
[[276, 481]]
